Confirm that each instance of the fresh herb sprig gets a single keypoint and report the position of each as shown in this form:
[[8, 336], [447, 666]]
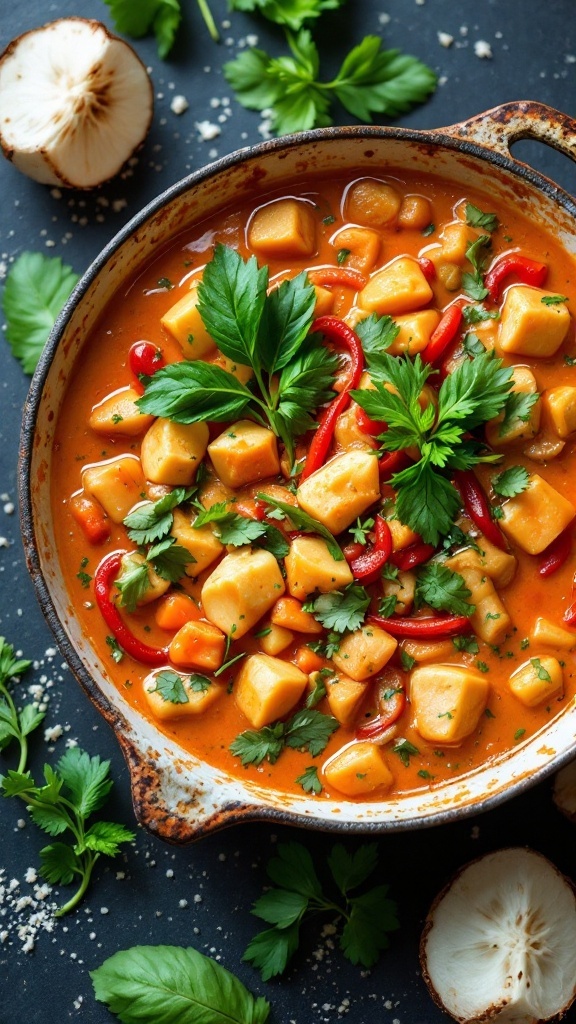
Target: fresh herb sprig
[[307, 730], [302, 521], [368, 916], [72, 793], [291, 13], [443, 589], [14, 724], [477, 391], [160, 17], [341, 611], [371, 80], [36, 288], [293, 372]]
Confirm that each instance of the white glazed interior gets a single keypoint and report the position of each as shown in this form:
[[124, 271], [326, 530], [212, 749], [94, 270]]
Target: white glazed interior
[[176, 794]]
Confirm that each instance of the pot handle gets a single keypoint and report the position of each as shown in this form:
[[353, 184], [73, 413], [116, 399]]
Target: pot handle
[[499, 127]]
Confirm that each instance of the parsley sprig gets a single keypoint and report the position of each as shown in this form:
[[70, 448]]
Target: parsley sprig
[[443, 589], [307, 730], [368, 916], [477, 391], [15, 724]]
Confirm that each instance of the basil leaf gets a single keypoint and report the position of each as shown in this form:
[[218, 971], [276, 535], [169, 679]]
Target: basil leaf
[[231, 299]]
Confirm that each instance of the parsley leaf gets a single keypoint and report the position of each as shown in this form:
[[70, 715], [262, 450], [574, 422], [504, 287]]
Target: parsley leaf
[[466, 643], [36, 288], [342, 610], [443, 589], [371, 916], [171, 688], [169, 559], [511, 481], [553, 300], [256, 745], [309, 780], [14, 724], [305, 384], [292, 13], [153, 519], [540, 671], [518, 406], [310, 730], [476, 218], [359, 533], [472, 345], [302, 521], [192, 392], [307, 730], [231, 297], [162, 17], [376, 334], [133, 581], [231, 527], [405, 751]]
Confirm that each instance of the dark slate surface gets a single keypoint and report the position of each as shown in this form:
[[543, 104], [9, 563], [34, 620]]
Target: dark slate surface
[[534, 55]]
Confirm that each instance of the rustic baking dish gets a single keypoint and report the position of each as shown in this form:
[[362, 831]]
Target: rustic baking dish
[[176, 795]]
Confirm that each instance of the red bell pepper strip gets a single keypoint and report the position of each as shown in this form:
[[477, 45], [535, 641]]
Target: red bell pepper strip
[[413, 555], [145, 359], [352, 551], [433, 627], [513, 264], [444, 333], [339, 333], [427, 268], [368, 565], [391, 463], [327, 277], [369, 426], [375, 729], [556, 553], [104, 577], [476, 506]]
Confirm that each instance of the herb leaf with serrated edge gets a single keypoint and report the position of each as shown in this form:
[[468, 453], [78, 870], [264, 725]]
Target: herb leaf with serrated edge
[[292, 13], [344, 610], [153, 519], [309, 780], [176, 985], [35, 291], [442, 589], [171, 687], [518, 406], [511, 481], [14, 724], [376, 334], [476, 218], [307, 730], [162, 17], [302, 521], [192, 392], [231, 527], [169, 559]]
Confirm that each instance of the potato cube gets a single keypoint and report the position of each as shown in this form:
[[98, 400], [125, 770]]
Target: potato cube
[[310, 566], [364, 652], [447, 701], [187, 701], [547, 632], [198, 645], [157, 586], [403, 589], [490, 620], [344, 696], [267, 688], [456, 238], [402, 536], [324, 300], [560, 405], [276, 639], [425, 651], [118, 485], [415, 212], [358, 769], [283, 229], [203, 544], [242, 372], [244, 453], [534, 518], [499, 565], [347, 431], [372, 202], [363, 246], [337, 493], [400, 287], [528, 326], [171, 452], [537, 680], [184, 323], [119, 414], [416, 329], [517, 429], [289, 613], [242, 588]]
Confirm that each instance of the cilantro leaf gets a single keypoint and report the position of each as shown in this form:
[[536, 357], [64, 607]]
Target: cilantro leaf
[[273, 540], [553, 300], [133, 581], [86, 780], [349, 870], [476, 218], [171, 687], [36, 288], [359, 533], [466, 643], [280, 907], [292, 13], [310, 730], [374, 80], [342, 610], [231, 527], [270, 950], [105, 837], [443, 589], [153, 519], [478, 314], [309, 780], [302, 521], [192, 392], [405, 751], [376, 334], [518, 406], [162, 17], [364, 935], [169, 559], [511, 481], [256, 745], [293, 868], [540, 671]]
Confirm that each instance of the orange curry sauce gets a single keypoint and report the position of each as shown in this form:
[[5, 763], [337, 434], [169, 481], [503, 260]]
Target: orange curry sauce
[[135, 315]]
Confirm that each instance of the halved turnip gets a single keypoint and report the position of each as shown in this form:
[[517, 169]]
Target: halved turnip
[[499, 942], [564, 791], [75, 103]]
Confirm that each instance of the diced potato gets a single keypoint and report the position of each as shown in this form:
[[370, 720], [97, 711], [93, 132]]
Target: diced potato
[[119, 414], [267, 688], [244, 453], [517, 429], [537, 680], [547, 632], [283, 229], [175, 609], [344, 696], [415, 212], [560, 405], [288, 612], [203, 544], [363, 246], [402, 536], [340, 491], [364, 652], [455, 239], [528, 326], [499, 565], [197, 701], [372, 202], [416, 329], [277, 639], [450, 275], [310, 566], [425, 651], [399, 287], [402, 588], [198, 645], [358, 769], [157, 586], [242, 588], [242, 372], [490, 620], [324, 301], [213, 492], [118, 485], [347, 431], [534, 518], [171, 452], [447, 701], [184, 323]]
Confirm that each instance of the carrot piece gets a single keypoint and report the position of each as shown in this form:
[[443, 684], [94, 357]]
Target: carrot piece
[[288, 612], [309, 662], [175, 610], [198, 645], [91, 518]]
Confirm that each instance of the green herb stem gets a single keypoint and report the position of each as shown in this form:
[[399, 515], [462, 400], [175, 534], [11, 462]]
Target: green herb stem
[[88, 860], [209, 20]]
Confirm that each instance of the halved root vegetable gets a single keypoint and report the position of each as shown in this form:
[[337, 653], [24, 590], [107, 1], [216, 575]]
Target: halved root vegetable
[[75, 102], [499, 942], [564, 791]]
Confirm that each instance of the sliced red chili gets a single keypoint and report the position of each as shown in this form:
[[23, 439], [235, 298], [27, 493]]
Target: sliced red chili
[[392, 463], [433, 627], [368, 565], [477, 507], [104, 577], [415, 554], [369, 426], [376, 729], [570, 613], [427, 268], [556, 553], [352, 551], [514, 265], [444, 333], [327, 277], [145, 359]]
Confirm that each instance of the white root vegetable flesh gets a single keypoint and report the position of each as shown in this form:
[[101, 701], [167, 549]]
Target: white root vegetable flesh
[[499, 943], [75, 103]]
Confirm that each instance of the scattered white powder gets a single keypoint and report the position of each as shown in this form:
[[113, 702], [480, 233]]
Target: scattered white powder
[[207, 130], [179, 104]]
